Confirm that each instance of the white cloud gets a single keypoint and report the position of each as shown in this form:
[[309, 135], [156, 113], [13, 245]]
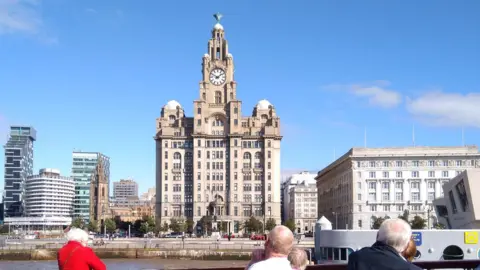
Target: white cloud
[[377, 93], [23, 17], [91, 10], [446, 109]]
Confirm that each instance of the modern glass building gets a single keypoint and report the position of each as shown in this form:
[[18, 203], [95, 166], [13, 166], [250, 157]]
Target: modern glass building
[[83, 167], [18, 166]]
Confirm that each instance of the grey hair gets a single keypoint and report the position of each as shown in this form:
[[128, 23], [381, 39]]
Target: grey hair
[[77, 235], [396, 233], [298, 258]]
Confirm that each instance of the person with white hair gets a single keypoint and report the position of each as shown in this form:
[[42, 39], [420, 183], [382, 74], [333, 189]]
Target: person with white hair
[[393, 238], [76, 255]]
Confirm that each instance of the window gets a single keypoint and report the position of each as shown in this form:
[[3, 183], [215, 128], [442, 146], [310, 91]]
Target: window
[[199, 154], [445, 174], [462, 196], [399, 196], [372, 164], [199, 110], [400, 208], [166, 187], [399, 174], [452, 202], [218, 97], [431, 174], [415, 185], [269, 198], [385, 196], [199, 143], [431, 196], [269, 187], [385, 174], [399, 163], [359, 185], [360, 208], [399, 185], [431, 163], [359, 196], [372, 196], [199, 122], [373, 208], [386, 164], [445, 163], [415, 174], [386, 185], [372, 175], [416, 163], [235, 110], [431, 184], [269, 154], [360, 223], [386, 208], [269, 165], [415, 196], [372, 185], [166, 154]]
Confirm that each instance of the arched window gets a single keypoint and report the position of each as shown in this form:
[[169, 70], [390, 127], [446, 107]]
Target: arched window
[[177, 155], [247, 160], [247, 156], [218, 97], [171, 119], [258, 155], [177, 160]]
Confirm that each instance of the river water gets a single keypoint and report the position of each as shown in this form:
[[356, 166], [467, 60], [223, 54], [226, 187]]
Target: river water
[[130, 264]]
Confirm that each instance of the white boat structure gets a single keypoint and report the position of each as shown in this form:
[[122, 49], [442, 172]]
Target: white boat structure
[[334, 246]]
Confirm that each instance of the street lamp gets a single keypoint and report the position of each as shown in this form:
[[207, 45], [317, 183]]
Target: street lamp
[[336, 219], [429, 209]]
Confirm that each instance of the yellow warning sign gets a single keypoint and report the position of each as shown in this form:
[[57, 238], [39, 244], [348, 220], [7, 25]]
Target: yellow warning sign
[[471, 237]]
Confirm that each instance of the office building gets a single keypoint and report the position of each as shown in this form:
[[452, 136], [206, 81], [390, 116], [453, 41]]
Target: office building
[[18, 166], [84, 170], [125, 188], [457, 208], [366, 183], [48, 202], [218, 162], [293, 179]]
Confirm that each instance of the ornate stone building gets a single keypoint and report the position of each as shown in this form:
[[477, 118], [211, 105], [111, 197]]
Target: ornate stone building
[[99, 194], [218, 157]]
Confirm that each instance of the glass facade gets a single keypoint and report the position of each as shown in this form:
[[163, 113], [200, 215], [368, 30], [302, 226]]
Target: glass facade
[[18, 166], [84, 164]]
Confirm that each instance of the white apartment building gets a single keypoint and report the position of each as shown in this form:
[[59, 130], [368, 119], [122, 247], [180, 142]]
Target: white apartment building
[[303, 206], [293, 179], [125, 188], [48, 201], [378, 182]]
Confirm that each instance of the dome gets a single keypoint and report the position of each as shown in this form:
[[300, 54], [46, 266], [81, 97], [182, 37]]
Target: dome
[[218, 27], [230, 55], [206, 55], [263, 104], [172, 105]]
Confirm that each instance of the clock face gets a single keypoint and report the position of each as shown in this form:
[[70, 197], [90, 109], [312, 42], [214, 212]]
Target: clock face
[[217, 76]]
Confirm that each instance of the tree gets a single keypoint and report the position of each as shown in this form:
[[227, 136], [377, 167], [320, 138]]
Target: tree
[[404, 216], [376, 222], [270, 224], [189, 226], [439, 226], [164, 228], [78, 223], [418, 223], [110, 225], [253, 225], [150, 221], [93, 226], [290, 224], [144, 228], [176, 225]]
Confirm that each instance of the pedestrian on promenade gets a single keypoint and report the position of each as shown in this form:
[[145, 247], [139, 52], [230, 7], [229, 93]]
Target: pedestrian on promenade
[[278, 245], [393, 239], [76, 255]]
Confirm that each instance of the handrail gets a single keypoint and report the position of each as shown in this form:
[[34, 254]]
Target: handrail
[[455, 264]]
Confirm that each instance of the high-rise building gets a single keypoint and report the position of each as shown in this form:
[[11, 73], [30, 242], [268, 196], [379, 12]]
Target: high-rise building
[[18, 166], [368, 183], [218, 162], [83, 168], [125, 188]]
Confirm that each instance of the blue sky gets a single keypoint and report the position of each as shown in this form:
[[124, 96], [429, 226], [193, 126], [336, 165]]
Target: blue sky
[[93, 75]]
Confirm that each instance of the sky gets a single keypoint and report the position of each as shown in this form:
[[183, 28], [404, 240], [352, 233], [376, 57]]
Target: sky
[[94, 75]]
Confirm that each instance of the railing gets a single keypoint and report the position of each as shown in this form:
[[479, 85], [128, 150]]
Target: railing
[[454, 264]]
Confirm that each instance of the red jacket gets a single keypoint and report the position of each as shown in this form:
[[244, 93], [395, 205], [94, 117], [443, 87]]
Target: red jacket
[[74, 256]]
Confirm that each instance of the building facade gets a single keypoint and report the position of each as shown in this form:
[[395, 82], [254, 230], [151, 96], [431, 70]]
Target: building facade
[[303, 206], [99, 193], [376, 182], [83, 168], [18, 166], [48, 202], [125, 188], [291, 181], [218, 162]]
